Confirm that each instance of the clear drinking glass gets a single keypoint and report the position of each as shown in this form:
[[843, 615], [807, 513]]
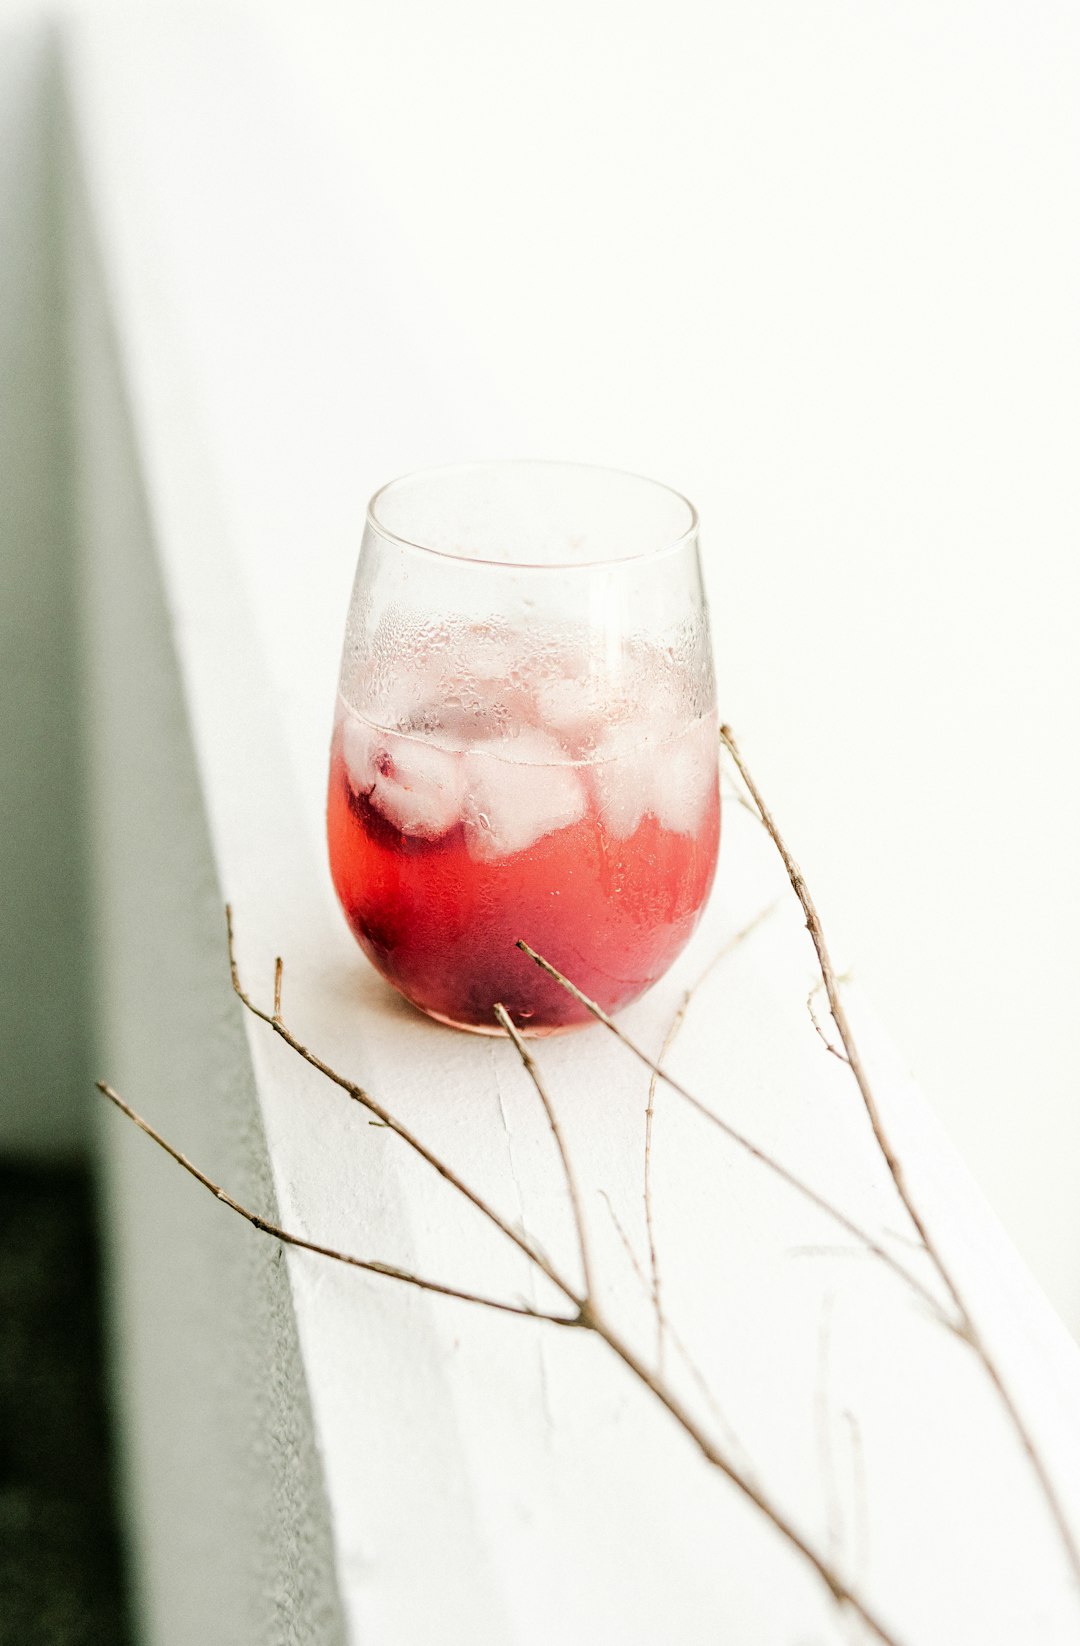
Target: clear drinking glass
[[525, 743]]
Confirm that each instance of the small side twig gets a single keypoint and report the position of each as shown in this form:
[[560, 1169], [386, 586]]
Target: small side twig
[[576, 1207], [681, 1348], [650, 1108], [818, 1030]]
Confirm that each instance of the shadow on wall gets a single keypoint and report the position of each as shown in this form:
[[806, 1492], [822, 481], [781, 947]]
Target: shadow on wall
[[44, 1085]]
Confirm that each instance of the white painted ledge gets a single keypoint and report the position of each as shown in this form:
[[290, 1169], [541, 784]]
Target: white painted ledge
[[313, 1455]]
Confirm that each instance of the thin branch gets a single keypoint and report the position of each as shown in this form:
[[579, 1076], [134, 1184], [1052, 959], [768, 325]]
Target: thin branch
[[758, 1154], [691, 1364], [387, 1270], [279, 968], [589, 1318], [626, 1242], [650, 1109], [968, 1327], [573, 1193]]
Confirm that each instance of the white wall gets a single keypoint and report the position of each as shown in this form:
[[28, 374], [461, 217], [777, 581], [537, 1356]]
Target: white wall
[[817, 266]]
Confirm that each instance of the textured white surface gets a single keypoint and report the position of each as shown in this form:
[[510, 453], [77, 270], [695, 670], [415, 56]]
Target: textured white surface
[[489, 1480]]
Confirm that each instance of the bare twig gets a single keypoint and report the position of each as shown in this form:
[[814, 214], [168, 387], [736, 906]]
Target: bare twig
[[968, 1327], [568, 1172], [589, 1317], [387, 1270], [626, 1243], [758, 1154], [650, 1110], [680, 1346]]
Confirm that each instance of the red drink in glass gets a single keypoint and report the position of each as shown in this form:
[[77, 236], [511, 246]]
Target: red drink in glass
[[525, 743]]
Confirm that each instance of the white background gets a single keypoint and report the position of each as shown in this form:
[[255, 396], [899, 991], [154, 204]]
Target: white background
[[815, 268], [816, 265]]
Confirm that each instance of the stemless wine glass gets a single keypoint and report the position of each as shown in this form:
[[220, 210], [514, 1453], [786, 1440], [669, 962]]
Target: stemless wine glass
[[525, 743]]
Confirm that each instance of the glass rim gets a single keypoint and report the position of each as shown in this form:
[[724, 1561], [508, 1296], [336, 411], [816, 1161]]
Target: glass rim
[[480, 465]]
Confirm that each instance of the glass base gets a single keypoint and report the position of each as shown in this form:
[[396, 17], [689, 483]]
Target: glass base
[[540, 1032]]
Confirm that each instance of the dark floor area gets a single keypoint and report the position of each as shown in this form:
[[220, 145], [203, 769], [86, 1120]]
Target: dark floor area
[[60, 1570]]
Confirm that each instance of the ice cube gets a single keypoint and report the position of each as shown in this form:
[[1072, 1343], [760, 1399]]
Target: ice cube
[[562, 703], [416, 786], [518, 789], [654, 767], [621, 780], [575, 708], [487, 651], [683, 776], [624, 777]]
